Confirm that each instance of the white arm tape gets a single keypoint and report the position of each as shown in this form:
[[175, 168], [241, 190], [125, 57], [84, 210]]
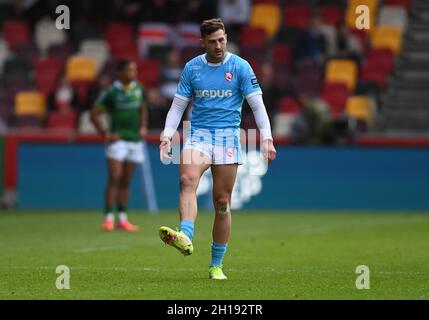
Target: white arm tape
[[174, 116], [261, 117]]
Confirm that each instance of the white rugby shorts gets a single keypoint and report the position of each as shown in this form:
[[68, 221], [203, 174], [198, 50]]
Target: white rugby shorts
[[122, 150]]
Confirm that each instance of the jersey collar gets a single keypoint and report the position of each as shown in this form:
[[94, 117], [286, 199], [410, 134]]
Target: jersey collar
[[227, 57], [118, 84]]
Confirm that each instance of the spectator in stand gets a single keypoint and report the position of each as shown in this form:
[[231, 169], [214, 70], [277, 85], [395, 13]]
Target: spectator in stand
[[158, 107], [313, 44], [64, 97], [270, 88], [170, 74], [272, 95], [347, 44]]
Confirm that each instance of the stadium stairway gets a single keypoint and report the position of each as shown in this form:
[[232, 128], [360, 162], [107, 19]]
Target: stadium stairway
[[405, 105]]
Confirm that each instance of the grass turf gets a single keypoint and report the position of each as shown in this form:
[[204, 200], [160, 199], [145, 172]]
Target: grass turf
[[271, 255]]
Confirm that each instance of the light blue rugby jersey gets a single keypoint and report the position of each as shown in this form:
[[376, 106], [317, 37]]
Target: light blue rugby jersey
[[218, 91]]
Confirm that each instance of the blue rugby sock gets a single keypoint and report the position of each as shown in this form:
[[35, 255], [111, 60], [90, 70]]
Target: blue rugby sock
[[188, 228], [218, 252]]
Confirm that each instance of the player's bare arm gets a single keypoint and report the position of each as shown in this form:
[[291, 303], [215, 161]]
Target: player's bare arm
[[95, 119], [143, 121]]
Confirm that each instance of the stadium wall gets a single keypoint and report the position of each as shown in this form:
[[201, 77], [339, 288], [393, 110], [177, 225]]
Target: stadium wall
[[56, 174]]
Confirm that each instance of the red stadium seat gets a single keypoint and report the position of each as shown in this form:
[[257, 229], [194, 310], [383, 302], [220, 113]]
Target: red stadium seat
[[117, 30], [281, 54], [47, 72], [81, 88], [125, 50], [62, 120], [331, 15], [16, 31], [289, 105], [378, 76], [335, 94], [149, 72], [381, 59], [251, 37], [297, 16]]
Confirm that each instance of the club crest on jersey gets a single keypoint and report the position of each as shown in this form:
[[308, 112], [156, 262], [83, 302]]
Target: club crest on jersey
[[230, 152], [228, 76]]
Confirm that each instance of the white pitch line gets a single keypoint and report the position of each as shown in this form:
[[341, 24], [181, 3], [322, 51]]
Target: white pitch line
[[152, 269], [85, 250]]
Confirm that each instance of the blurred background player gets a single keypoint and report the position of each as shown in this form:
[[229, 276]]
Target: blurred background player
[[217, 81], [124, 101]]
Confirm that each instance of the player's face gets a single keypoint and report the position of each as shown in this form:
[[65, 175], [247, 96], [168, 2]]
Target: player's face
[[215, 45], [129, 73]]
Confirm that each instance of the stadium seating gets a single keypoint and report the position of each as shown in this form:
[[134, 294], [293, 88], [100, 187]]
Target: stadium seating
[[360, 108], [331, 15], [381, 59], [16, 31], [342, 70], [85, 125], [372, 74], [61, 120], [289, 105], [46, 34], [149, 72], [393, 16], [82, 30], [61, 51], [97, 49], [308, 79], [80, 68], [30, 103], [27, 51], [281, 54], [152, 34], [289, 109], [47, 73], [36, 61], [252, 37], [387, 37], [335, 94], [186, 34], [116, 30], [12, 84], [81, 88], [266, 16], [401, 3], [253, 43], [297, 16]]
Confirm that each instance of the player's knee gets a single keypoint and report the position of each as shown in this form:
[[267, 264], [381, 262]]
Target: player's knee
[[124, 183], [114, 181], [188, 182], [222, 206]]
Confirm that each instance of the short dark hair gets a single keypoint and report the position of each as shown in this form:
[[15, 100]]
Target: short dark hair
[[122, 64], [212, 25]]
